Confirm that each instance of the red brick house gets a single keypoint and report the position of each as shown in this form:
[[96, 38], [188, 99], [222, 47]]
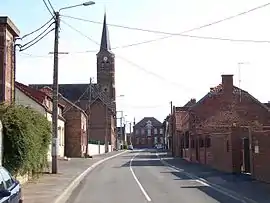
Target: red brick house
[[75, 126], [219, 129], [147, 133], [102, 112], [8, 34]]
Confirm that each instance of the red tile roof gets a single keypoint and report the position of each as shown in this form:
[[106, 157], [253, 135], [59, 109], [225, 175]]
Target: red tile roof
[[36, 95]]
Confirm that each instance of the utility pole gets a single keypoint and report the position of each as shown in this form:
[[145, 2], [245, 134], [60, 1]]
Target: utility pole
[[106, 129], [121, 118], [55, 97], [89, 116]]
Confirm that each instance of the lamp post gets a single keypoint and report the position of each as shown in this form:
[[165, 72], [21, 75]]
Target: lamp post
[[55, 86]]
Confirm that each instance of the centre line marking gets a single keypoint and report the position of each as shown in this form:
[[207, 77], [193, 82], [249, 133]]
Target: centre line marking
[[136, 179]]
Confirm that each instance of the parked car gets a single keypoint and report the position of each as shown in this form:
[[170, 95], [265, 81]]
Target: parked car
[[10, 188]]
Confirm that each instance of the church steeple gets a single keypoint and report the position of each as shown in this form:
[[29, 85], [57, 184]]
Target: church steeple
[[105, 44]]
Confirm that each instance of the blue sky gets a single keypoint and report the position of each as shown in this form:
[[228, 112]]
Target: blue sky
[[188, 67]]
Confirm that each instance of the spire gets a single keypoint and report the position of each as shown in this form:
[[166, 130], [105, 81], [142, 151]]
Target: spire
[[105, 40]]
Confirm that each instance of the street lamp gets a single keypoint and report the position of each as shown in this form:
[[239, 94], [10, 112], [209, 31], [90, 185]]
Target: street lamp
[[55, 86]]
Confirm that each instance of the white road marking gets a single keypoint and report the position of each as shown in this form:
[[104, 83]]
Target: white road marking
[[206, 183], [136, 179]]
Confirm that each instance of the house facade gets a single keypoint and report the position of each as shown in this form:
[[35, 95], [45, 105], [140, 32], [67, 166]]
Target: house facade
[[39, 101], [100, 102], [147, 133], [75, 126], [8, 34], [222, 129]]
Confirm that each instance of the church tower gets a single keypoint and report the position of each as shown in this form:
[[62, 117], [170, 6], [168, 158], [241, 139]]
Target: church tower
[[105, 64]]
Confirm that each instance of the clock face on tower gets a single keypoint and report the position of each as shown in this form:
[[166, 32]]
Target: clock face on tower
[[105, 58]]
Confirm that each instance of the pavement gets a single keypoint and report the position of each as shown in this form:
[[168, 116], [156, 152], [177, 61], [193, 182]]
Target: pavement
[[50, 187], [147, 176]]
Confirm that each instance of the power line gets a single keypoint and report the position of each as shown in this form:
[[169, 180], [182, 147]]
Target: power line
[[78, 100], [22, 49], [21, 46], [132, 63], [187, 31], [185, 35], [48, 8], [51, 6], [37, 29]]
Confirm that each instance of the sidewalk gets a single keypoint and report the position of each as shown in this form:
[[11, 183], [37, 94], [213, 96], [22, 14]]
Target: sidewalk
[[49, 186], [241, 184]]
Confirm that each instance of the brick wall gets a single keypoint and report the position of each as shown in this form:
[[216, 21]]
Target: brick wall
[[261, 155], [74, 133]]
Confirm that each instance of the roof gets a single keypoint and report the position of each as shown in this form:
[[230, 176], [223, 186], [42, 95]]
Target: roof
[[49, 92], [143, 122], [105, 44], [236, 90], [79, 94], [11, 26], [36, 95]]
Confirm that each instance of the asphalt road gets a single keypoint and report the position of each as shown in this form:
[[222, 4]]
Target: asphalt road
[[139, 177]]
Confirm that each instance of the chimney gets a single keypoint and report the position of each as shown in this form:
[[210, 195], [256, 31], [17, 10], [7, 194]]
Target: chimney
[[227, 84], [193, 101]]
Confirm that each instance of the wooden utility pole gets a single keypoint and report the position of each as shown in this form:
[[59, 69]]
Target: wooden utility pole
[[55, 97]]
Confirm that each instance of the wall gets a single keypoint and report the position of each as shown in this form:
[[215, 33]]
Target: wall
[[24, 100], [97, 149], [261, 155], [61, 136]]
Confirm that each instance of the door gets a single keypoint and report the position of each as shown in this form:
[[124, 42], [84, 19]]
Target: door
[[197, 149], [246, 156]]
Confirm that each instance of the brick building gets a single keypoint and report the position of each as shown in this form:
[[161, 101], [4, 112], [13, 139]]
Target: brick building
[[8, 34], [219, 129], [75, 126], [102, 112], [147, 133]]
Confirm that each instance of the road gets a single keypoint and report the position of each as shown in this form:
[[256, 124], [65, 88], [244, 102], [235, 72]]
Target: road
[[140, 176]]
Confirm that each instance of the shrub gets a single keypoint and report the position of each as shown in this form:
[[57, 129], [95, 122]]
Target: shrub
[[27, 135]]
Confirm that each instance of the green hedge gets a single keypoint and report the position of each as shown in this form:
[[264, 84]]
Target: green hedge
[[27, 135]]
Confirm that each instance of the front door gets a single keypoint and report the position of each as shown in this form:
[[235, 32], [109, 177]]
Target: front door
[[246, 155]]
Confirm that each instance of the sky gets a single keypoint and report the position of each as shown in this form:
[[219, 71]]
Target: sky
[[150, 75]]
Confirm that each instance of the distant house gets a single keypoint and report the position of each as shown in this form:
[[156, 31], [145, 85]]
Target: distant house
[[41, 102], [75, 126], [147, 133]]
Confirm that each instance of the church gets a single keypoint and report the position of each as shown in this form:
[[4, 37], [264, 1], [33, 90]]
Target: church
[[98, 100]]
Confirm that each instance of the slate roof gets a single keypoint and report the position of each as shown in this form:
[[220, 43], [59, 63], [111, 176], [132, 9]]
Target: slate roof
[[105, 44], [79, 94], [143, 122]]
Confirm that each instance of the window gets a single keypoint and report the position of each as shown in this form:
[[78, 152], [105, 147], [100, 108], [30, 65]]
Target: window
[[142, 131], [149, 132], [137, 132], [161, 140], [227, 146], [156, 140], [155, 131], [208, 142], [201, 142], [6, 177], [161, 131], [137, 140]]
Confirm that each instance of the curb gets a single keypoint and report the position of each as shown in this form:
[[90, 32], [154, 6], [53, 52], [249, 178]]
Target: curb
[[216, 187], [67, 192]]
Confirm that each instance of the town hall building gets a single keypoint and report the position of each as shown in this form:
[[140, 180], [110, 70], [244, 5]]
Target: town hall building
[[99, 98]]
